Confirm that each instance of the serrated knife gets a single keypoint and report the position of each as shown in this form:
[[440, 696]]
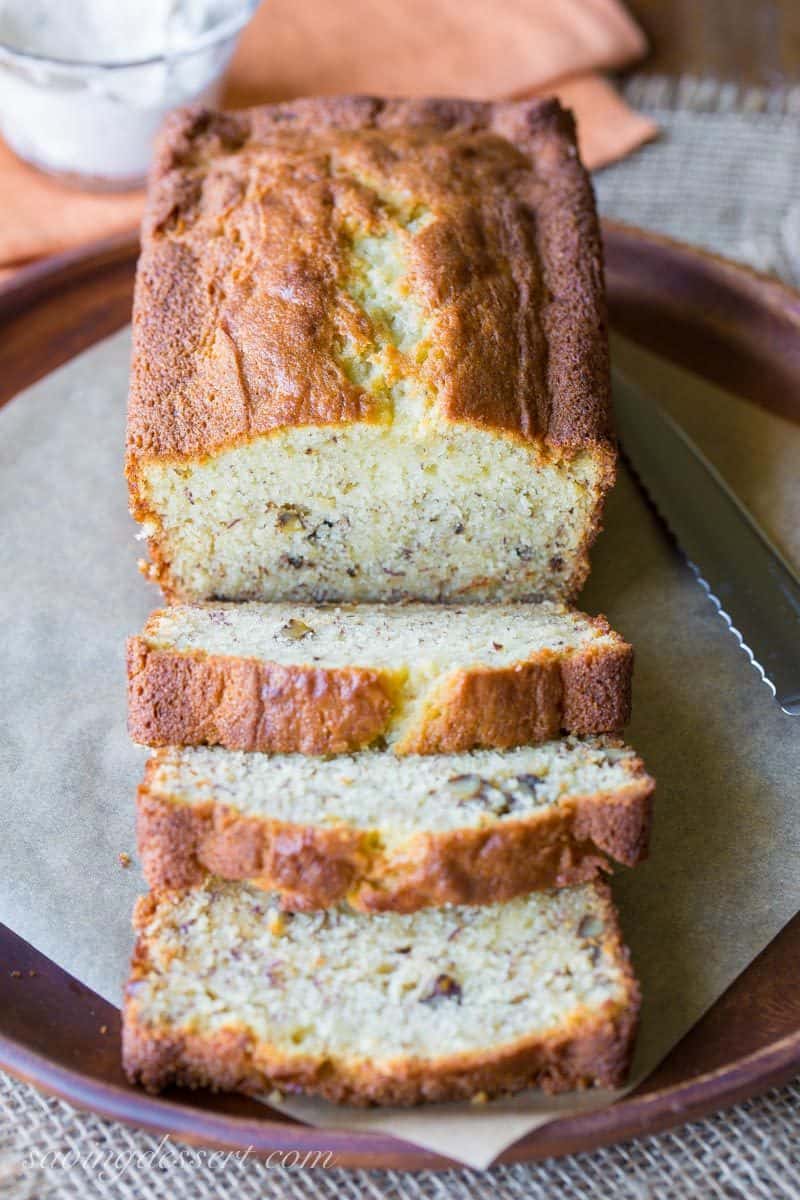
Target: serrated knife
[[752, 586]]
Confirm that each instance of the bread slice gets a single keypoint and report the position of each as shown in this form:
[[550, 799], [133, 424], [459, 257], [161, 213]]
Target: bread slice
[[424, 679], [226, 991], [370, 355], [394, 834]]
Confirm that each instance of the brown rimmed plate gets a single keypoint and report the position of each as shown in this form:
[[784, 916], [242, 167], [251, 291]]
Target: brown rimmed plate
[[728, 324]]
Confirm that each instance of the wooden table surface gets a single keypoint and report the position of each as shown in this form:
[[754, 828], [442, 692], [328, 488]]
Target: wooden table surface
[[750, 41]]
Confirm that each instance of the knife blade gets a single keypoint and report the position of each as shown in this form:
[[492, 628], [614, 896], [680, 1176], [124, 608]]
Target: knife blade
[[751, 584]]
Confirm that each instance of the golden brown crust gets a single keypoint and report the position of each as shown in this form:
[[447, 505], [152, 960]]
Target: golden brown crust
[[238, 315], [596, 1054], [583, 692], [180, 845], [593, 1049], [242, 704], [189, 699], [596, 689]]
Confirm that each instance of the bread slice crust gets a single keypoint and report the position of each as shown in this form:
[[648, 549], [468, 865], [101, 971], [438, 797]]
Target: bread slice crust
[[189, 698], [595, 1052], [316, 866], [591, 1049]]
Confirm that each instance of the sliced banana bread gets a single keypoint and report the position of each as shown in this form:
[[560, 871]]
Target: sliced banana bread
[[229, 992], [394, 834], [370, 354], [317, 680]]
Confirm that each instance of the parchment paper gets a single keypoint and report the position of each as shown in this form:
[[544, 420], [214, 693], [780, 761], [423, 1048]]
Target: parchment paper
[[722, 879]]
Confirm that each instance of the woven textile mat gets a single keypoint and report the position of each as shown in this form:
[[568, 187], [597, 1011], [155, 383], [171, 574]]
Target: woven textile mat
[[725, 174]]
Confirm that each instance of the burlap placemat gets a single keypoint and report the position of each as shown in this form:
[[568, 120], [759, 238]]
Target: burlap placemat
[[49, 1151], [726, 175]]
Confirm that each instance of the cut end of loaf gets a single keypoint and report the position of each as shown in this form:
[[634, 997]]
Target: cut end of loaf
[[370, 357], [373, 513]]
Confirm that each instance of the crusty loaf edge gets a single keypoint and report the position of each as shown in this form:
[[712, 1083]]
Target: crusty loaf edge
[[574, 312], [592, 1049], [189, 698], [180, 845], [584, 691]]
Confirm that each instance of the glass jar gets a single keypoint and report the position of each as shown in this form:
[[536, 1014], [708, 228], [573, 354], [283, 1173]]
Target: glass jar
[[93, 124]]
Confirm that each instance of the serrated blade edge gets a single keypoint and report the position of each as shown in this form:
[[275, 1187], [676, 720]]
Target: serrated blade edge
[[750, 584]]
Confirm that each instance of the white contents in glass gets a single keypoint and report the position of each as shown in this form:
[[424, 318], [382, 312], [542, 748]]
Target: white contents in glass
[[85, 85]]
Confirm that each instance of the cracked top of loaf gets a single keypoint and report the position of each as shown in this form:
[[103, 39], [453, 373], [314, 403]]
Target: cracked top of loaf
[[308, 263]]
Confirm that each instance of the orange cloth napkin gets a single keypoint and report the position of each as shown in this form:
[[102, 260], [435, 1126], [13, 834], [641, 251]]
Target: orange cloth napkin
[[475, 48]]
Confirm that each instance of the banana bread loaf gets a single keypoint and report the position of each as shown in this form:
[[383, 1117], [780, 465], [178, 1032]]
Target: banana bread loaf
[[227, 991], [423, 678], [370, 354]]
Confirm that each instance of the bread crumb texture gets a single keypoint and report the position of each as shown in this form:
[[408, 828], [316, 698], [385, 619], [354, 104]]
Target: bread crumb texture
[[369, 355], [396, 798], [374, 998], [403, 637]]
